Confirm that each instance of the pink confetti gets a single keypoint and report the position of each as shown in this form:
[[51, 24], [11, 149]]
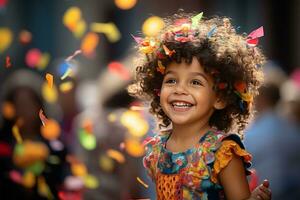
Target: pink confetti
[[137, 39], [74, 54], [33, 57], [257, 33]]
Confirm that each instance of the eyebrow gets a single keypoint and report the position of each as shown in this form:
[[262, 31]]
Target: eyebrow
[[192, 73]]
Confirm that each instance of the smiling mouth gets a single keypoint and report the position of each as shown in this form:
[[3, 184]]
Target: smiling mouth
[[181, 106]]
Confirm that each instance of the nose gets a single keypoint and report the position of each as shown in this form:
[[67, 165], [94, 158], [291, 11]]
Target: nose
[[180, 89]]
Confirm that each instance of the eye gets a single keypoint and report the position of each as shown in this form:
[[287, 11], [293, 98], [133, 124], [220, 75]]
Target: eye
[[170, 81], [196, 82]]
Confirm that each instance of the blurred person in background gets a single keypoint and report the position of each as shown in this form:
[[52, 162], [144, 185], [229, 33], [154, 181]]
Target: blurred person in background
[[32, 166], [273, 140]]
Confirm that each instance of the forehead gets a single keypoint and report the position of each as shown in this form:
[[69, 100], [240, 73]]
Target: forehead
[[194, 66]]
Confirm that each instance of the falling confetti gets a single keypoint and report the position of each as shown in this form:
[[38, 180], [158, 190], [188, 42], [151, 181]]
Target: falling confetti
[[43, 61], [196, 19], [42, 117], [6, 38], [66, 74], [106, 163], [142, 182], [8, 110], [25, 37], [109, 29], [152, 26], [90, 181], [66, 86], [134, 122], [49, 94], [8, 62], [89, 44], [72, 19], [16, 133], [119, 69], [125, 4], [28, 179], [51, 130], [79, 169], [87, 140], [33, 57], [134, 148], [49, 78], [116, 155]]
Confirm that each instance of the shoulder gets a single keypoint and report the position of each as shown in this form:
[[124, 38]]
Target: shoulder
[[231, 148]]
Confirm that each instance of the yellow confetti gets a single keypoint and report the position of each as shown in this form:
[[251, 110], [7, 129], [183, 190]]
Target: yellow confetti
[[66, 86], [6, 37], [49, 78], [28, 179], [80, 29], [106, 163], [90, 181], [49, 94], [142, 182], [125, 4], [16, 133], [71, 17], [152, 26], [109, 29], [43, 62], [116, 155], [135, 124]]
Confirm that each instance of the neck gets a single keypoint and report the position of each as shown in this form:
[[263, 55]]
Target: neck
[[187, 132]]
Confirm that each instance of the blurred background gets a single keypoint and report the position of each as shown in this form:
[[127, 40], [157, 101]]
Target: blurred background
[[68, 128]]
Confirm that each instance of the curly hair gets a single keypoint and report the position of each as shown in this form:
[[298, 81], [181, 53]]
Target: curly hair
[[225, 56]]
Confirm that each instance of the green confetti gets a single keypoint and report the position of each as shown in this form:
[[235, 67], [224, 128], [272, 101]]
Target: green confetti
[[196, 19]]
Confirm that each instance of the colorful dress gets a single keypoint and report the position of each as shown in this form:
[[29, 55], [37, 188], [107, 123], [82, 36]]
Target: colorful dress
[[192, 174]]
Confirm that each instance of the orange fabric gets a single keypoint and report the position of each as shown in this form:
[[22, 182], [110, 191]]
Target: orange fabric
[[168, 187], [224, 155]]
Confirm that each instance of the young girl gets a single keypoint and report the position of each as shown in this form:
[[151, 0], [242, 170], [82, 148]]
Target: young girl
[[201, 77]]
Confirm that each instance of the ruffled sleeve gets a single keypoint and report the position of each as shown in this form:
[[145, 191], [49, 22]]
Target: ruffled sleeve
[[224, 154], [150, 159]]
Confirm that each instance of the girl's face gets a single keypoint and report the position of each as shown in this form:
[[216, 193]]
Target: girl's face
[[187, 95]]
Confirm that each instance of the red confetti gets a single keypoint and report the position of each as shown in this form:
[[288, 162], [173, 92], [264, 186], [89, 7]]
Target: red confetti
[[8, 62], [119, 69], [5, 149]]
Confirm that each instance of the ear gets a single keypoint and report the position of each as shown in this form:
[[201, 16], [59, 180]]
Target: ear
[[219, 104]]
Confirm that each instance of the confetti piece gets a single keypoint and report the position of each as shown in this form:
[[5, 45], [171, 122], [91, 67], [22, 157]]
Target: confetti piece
[[160, 67], [212, 31], [106, 163], [138, 40], [6, 37], [66, 74], [109, 29], [152, 26], [42, 117], [49, 94], [33, 57], [80, 29], [135, 124], [168, 52], [196, 19], [89, 44], [15, 176], [116, 155], [254, 35], [49, 78], [5, 149], [138, 108], [66, 86], [79, 169], [90, 181], [142, 182], [16, 133], [87, 140], [71, 17], [43, 189], [125, 4], [51, 130], [56, 145], [28, 179], [119, 69], [8, 110], [8, 62], [134, 148], [43, 61], [25, 37], [77, 52]]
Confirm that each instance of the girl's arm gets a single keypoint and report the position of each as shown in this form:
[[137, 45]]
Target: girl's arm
[[234, 181]]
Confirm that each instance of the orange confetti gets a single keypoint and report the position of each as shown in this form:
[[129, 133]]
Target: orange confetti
[[168, 51], [49, 78], [89, 44], [160, 67], [116, 155], [142, 182], [8, 110], [119, 69], [8, 62], [79, 169], [134, 148], [51, 130]]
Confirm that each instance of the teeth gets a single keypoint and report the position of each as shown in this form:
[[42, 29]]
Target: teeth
[[181, 104]]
